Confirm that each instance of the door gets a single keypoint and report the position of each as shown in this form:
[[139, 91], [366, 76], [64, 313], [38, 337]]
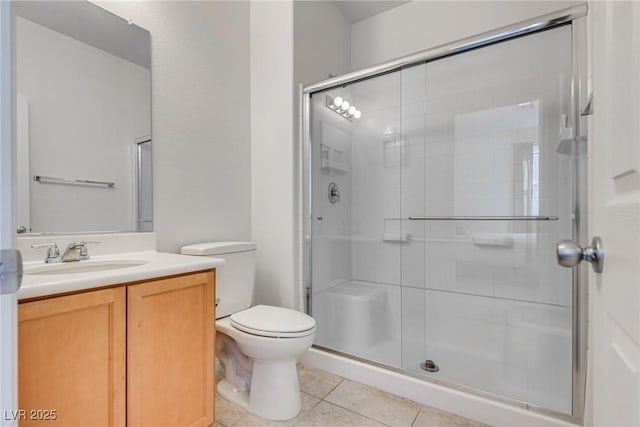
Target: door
[[8, 282], [616, 213]]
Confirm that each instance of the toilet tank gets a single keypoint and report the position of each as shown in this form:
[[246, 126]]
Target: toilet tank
[[236, 279]]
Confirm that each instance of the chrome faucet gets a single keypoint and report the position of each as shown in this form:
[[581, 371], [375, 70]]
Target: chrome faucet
[[76, 251], [53, 253]]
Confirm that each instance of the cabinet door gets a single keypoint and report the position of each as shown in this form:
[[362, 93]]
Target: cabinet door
[[71, 360], [170, 353]]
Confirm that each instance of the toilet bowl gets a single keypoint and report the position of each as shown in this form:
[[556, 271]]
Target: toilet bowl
[[257, 346], [260, 371]]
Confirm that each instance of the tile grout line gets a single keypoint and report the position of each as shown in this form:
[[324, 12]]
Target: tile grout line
[[417, 415], [357, 413], [334, 387], [351, 410], [366, 416]]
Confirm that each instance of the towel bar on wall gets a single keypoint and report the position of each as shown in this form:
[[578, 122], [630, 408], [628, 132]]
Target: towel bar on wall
[[53, 180], [482, 218]]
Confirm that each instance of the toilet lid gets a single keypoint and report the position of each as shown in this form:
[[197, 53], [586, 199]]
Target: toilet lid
[[268, 321]]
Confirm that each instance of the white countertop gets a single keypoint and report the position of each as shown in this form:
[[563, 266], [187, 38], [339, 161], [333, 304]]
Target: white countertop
[[157, 264]]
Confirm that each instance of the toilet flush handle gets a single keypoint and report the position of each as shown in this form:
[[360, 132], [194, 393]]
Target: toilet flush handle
[[217, 301]]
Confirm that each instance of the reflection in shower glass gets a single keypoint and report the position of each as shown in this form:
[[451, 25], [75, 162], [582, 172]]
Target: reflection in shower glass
[[144, 187], [472, 135]]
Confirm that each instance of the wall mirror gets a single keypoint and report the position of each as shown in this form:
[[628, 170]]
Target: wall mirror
[[83, 120]]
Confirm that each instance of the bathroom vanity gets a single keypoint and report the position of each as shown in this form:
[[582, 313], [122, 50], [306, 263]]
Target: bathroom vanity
[[126, 346]]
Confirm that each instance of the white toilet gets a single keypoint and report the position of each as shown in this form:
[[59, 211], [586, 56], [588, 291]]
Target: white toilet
[[257, 346]]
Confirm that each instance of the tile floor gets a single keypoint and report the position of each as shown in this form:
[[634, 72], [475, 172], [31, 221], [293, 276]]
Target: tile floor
[[332, 401]]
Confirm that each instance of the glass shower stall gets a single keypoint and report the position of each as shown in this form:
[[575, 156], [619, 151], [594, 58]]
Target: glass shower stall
[[437, 191]]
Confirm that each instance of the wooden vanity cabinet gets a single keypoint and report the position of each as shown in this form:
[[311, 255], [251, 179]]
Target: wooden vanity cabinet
[[71, 359], [170, 354], [138, 355]]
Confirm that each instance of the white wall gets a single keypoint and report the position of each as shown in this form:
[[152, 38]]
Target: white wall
[[321, 41], [272, 171], [200, 118], [85, 107], [290, 45], [424, 24]]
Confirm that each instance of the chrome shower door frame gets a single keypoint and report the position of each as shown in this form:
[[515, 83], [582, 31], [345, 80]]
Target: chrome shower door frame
[[575, 16]]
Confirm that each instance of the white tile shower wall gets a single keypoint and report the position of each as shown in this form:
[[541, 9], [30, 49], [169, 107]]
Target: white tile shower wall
[[200, 110], [412, 175], [480, 120], [332, 156], [376, 179]]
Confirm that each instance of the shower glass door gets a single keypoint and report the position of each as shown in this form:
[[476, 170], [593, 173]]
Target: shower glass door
[[496, 307], [435, 214], [356, 275]]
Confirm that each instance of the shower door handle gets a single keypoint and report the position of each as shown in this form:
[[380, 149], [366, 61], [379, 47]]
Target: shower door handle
[[570, 254]]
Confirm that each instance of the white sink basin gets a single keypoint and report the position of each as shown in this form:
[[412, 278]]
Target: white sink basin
[[88, 266]]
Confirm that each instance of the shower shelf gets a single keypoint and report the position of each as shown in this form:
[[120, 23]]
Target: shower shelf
[[334, 166]]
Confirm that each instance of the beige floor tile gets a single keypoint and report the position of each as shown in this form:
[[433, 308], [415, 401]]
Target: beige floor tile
[[230, 415], [378, 405], [326, 414], [431, 417], [227, 414], [316, 382]]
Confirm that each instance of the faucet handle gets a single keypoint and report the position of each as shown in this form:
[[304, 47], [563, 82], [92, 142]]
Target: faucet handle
[[44, 245], [53, 253], [82, 245]]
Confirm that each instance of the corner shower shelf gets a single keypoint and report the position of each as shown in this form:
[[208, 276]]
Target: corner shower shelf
[[334, 166]]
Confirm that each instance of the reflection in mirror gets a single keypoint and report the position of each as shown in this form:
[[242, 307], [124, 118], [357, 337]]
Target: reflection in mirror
[[83, 120]]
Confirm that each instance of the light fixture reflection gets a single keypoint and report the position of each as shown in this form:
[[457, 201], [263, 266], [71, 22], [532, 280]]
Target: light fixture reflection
[[343, 107]]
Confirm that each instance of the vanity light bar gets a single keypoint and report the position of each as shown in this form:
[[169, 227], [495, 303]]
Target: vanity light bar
[[343, 108]]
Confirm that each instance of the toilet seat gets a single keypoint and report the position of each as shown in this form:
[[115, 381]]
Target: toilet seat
[[274, 322]]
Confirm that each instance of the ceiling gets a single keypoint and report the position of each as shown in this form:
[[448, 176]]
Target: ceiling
[[358, 10], [90, 24]]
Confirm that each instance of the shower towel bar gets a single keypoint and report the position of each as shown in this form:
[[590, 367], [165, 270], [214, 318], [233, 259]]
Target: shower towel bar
[[483, 218], [107, 184]]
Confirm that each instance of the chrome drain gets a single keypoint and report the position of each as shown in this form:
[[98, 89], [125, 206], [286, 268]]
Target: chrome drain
[[429, 366]]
